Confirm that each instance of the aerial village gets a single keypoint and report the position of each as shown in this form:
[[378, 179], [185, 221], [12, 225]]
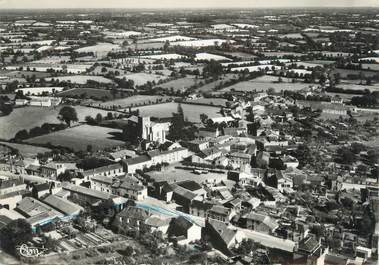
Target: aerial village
[[189, 137]]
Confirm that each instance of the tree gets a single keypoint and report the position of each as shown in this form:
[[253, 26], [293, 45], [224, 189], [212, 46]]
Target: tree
[[99, 117], [68, 114], [21, 135], [89, 148], [346, 156], [213, 69], [203, 118], [5, 108], [15, 233], [90, 120]]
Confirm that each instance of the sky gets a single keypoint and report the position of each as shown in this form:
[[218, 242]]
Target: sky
[[150, 4]]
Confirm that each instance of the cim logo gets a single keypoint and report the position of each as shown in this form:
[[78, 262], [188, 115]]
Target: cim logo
[[30, 252]]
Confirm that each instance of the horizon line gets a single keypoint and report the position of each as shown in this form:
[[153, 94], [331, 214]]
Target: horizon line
[[191, 8]]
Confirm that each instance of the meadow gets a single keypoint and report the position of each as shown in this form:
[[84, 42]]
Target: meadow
[[26, 150], [134, 101], [81, 79], [30, 117], [79, 137], [94, 93], [191, 112], [179, 84], [264, 86], [142, 78]]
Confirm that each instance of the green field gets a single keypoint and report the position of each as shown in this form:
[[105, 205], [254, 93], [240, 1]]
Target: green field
[[192, 112], [179, 84], [79, 137], [134, 100], [81, 79], [93, 93], [212, 85], [209, 101], [26, 150], [264, 85], [29, 117]]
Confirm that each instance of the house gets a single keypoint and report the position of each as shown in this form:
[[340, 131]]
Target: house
[[184, 197], [158, 223], [240, 159], [85, 196], [101, 183], [206, 155], [11, 185], [363, 252], [309, 246], [183, 231], [197, 145], [205, 133], [64, 206], [289, 161], [259, 222], [44, 101], [155, 157], [129, 188], [263, 159], [200, 208], [131, 165], [36, 212], [232, 131], [234, 204], [52, 170], [222, 237], [169, 156], [241, 178], [131, 218], [119, 155], [111, 170], [220, 213], [194, 187], [285, 183], [21, 102], [40, 190]]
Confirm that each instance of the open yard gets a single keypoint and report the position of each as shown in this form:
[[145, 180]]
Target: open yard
[[192, 112], [29, 117], [79, 137]]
